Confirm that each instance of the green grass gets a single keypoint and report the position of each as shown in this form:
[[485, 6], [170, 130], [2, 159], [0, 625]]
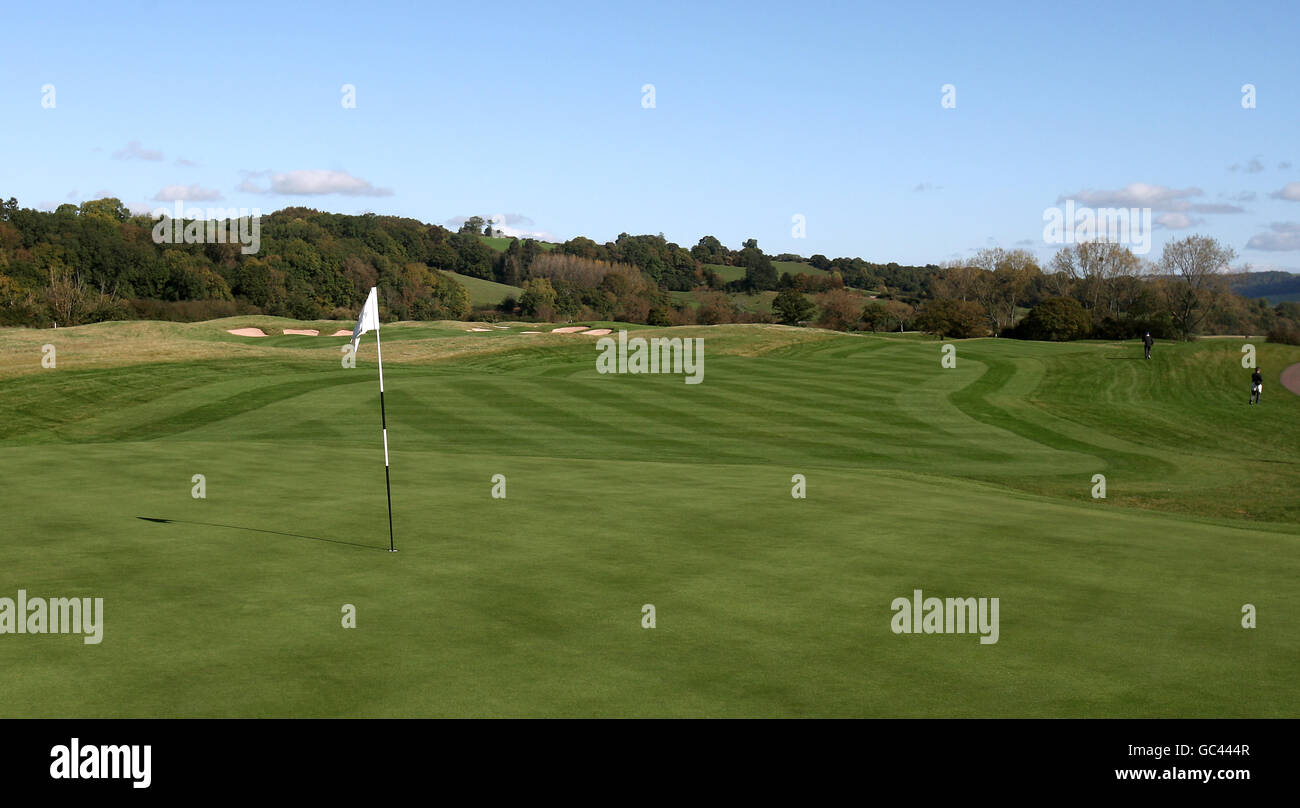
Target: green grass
[[729, 273], [484, 293], [760, 302], [627, 490], [798, 268], [500, 243], [755, 303]]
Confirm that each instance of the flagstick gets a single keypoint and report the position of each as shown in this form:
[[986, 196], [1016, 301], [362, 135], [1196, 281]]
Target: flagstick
[[383, 418]]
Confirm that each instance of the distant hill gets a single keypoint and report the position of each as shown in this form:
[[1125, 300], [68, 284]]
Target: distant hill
[[500, 243], [798, 268], [730, 273], [1275, 287], [482, 292]]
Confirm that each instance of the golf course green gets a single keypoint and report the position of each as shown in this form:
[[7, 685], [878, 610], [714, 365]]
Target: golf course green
[[626, 490]]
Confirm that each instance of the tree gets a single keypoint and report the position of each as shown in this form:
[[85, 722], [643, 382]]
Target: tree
[[886, 315], [711, 251], [715, 308], [841, 310], [68, 297], [108, 208], [958, 280], [953, 318], [472, 226], [1192, 280], [474, 258], [582, 247], [1055, 319], [760, 273], [441, 297], [1003, 278], [791, 307], [1100, 274], [538, 299], [1284, 331]]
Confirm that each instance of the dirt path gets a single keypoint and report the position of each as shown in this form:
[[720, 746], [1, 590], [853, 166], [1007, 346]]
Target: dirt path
[[1291, 378]]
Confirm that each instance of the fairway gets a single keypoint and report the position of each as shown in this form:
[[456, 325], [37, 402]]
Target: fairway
[[626, 490]]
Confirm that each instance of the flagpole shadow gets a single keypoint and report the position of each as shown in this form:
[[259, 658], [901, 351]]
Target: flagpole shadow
[[261, 530]]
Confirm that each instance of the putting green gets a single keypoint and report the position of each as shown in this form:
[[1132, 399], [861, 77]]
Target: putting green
[[623, 491]]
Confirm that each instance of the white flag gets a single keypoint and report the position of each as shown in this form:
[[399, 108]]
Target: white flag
[[369, 319]]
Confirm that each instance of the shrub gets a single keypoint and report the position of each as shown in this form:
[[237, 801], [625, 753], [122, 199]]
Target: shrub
[[791, 307], [841, 310], [1056, 319], [1284, 331], [953, 318]]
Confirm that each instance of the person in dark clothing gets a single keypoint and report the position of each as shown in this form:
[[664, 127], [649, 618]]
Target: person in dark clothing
[[1256, 386], [1147, 342]]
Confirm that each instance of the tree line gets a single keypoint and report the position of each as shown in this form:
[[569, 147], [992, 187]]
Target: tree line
[[98, 261], [1097, 290]]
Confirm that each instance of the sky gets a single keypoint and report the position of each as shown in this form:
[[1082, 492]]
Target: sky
[[756, 113]]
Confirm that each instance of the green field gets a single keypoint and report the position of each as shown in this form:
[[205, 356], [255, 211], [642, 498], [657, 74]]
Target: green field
[[629, 490], [730, 273], [798, 268], [484, 292], [500, 243]]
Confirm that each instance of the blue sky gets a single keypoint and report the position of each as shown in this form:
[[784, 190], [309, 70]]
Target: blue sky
[[762, 111]]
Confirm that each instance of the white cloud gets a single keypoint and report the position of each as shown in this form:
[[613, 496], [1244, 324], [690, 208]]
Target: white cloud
[[1176, 221], [181, 161], [1136, 195], [1156, 197], [517, 225], [134, 151], [1289, 192], [1283, 236], [186, 193], [1252, 166], [311, 182]]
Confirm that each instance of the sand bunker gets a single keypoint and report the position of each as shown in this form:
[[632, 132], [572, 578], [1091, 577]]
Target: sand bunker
[[530, 332], [1291, 378], [478, 329], [306, 332], [341, 333], [246, 332], [569, 329], [597, 332]]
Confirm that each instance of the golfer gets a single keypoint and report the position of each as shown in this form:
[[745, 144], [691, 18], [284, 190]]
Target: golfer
[[1147, 342], [1256, 386]]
